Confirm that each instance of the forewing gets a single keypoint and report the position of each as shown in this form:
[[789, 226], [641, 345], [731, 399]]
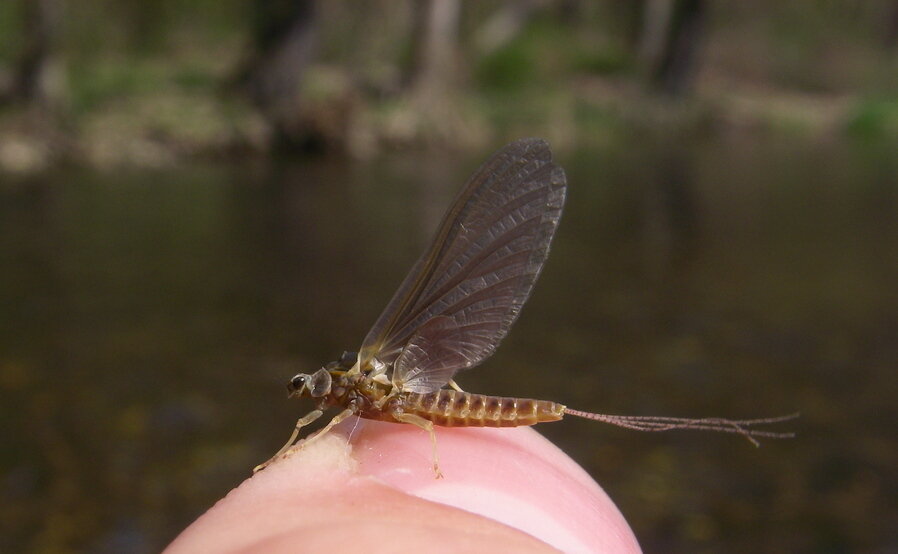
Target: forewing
[[477, 273]]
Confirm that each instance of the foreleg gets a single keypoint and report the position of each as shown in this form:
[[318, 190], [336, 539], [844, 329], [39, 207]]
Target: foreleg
[[326, 429], [303, 421]]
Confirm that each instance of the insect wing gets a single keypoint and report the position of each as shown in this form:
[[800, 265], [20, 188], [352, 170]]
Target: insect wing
[[476, 274], [434, 354]]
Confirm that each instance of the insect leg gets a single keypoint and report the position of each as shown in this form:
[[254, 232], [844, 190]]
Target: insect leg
[[303, 421], [330, 425], [379, 404], [454, 385], [419, 421]]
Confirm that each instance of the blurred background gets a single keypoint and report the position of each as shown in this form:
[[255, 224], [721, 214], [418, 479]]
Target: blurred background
[[200, 199]]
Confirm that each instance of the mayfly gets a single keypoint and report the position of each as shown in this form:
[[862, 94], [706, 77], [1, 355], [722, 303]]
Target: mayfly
[[455, 306]]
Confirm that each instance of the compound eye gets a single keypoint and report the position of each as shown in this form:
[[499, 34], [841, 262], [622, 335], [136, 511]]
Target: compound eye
[[297, 383]]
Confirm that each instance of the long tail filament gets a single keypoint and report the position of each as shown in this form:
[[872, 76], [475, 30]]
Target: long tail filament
[[744, 427]]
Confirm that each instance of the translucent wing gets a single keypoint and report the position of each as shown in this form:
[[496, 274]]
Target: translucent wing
[[463, 294], [434, 354]]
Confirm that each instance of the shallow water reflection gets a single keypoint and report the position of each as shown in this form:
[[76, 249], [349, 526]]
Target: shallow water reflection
[[151, 319]]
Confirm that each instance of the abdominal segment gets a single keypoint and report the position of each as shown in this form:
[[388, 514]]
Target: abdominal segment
[[450, 408]]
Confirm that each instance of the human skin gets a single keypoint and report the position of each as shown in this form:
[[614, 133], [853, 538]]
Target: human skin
[[503, 490]]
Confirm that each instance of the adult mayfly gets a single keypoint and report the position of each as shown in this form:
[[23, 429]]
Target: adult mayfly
[[455, 306]]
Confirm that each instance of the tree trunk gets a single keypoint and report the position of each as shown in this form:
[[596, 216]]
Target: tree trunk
[[890, 37], [285, 43], [38, 77], [672, 34], [435, 47]]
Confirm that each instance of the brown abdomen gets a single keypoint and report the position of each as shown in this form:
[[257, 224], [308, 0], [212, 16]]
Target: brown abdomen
[[449, 408]]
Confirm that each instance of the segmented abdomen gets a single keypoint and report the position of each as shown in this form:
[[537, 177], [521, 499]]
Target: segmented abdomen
[[450, 408]]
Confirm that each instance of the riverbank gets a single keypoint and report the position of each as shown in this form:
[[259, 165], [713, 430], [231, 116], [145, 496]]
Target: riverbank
[[153, 115]]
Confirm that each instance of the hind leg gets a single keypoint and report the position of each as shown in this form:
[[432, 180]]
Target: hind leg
[[427, 425]]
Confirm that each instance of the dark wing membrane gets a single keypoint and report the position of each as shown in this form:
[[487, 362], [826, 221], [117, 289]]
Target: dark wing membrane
[[477, 273]]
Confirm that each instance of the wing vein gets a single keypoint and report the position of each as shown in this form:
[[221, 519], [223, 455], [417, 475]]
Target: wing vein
[[466, 290]]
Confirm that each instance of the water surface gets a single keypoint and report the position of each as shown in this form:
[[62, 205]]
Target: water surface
[[149, 321]]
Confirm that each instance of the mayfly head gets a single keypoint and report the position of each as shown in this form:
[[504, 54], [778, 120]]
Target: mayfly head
[[315, 385]]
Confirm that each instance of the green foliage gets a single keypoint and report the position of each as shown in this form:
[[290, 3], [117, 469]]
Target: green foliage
[[606, 61], [109, 79], [874, 119], [549, 51], [113, 78], [10, 34], [509, 67], [537, 55], [591, 115], [196, 78]]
